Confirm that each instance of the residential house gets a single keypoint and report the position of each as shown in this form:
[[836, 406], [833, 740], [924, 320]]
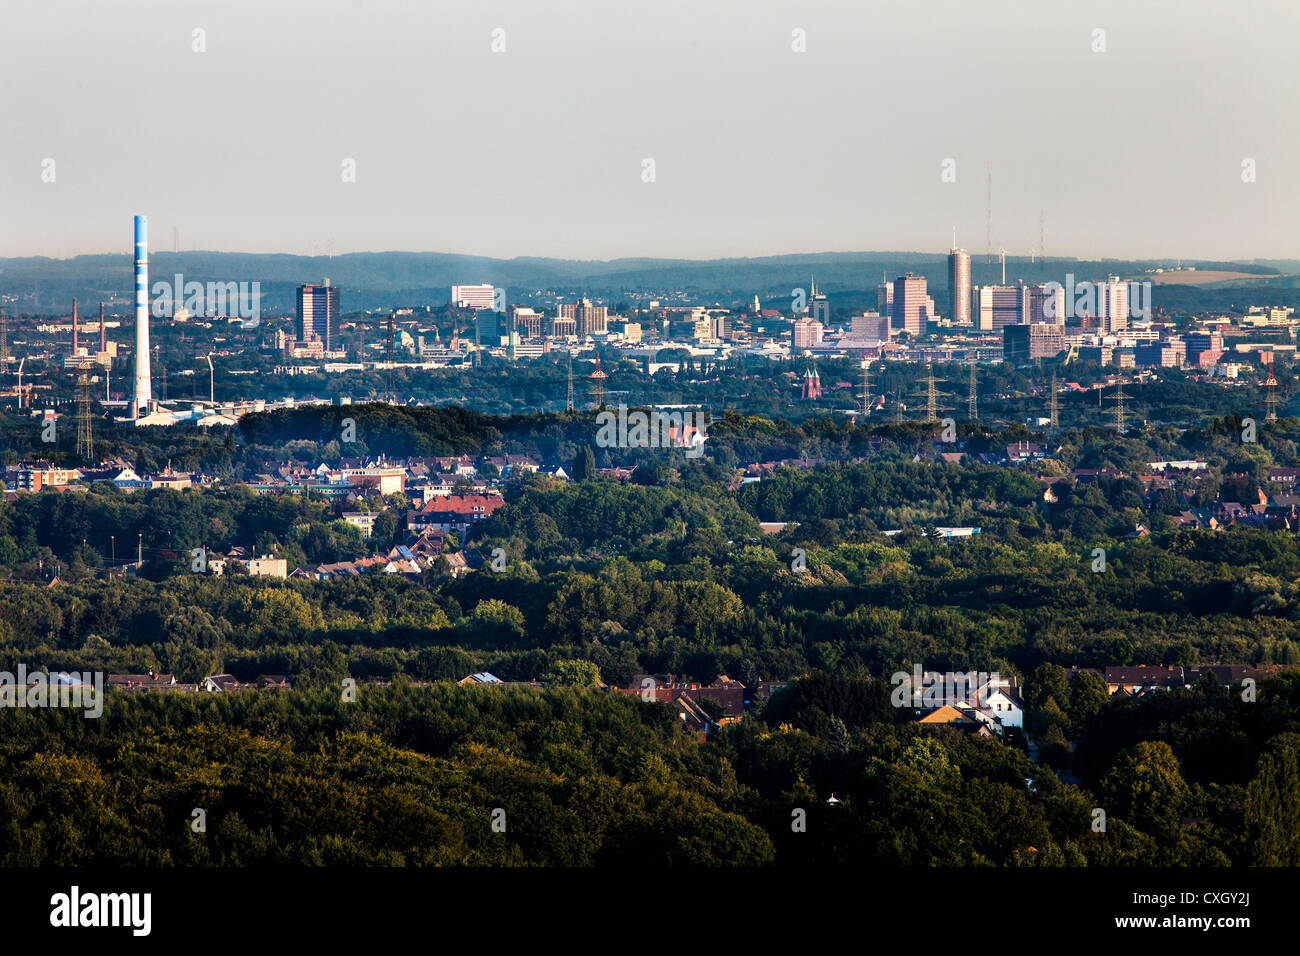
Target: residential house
[[221, 684], [364, 521], [453, 513], [957, 718], [267, 566], [1142, 678], [483, 677], [1024, 451], [142, 682]]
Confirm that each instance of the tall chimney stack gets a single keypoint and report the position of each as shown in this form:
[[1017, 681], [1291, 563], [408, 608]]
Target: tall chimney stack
[[74, 328], [143, 384], [102, 347]]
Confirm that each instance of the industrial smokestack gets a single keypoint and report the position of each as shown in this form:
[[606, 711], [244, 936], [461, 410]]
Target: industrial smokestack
[[74, 328], [102, 347], [143, 384]]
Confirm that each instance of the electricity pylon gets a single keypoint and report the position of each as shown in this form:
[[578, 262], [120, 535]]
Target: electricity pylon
[[1270, 393], [1118, 399], [1051, 403], [85, 442], [974, 403], [568, 403]]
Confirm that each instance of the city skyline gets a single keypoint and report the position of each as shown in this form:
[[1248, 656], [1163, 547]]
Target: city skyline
[[278, 136]]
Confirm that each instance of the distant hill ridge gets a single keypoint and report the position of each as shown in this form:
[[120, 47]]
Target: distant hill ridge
[[385, 279]]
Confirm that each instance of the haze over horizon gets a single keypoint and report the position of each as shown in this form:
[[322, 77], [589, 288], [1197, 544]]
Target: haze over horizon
[[1131, 153], [811, 253]]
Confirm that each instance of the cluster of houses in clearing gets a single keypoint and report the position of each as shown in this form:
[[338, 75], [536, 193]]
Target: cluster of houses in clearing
[[995, 704], [730, 697], [34, 476], [214, 684], [1138, 680], [1279, 510], [985, 708], [426, 553], [422, 478], [412, 561], [684, 697]]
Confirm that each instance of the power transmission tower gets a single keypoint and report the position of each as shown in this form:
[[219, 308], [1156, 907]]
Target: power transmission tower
[[391, 397], [1051, 402], [1270, 393], [85, 443], [598, 390], [1118, 398], [974, 405], [931, 399], [568, 404], [4, 338]]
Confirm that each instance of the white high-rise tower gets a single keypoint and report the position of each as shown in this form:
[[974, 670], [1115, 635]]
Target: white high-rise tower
[[959, 293], [143, 384]]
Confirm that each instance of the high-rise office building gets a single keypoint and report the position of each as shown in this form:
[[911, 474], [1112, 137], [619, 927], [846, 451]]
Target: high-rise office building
[[526, 321], [1112, 304], [807, 333], [1171, 353], [959, 287], [1046, 304], [885, 298], [318, 314], [912, 308], [490, 329], [870, 325], [997, 306], [1199, 343], [590, 319], [1029, 343], [473, 296]]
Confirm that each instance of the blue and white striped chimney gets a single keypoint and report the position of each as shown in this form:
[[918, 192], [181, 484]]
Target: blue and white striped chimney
[[143, 385]]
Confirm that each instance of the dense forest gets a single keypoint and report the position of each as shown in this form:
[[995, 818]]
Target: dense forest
[[450, 775]]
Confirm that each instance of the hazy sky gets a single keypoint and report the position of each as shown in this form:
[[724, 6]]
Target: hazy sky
[[1136, 151]]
